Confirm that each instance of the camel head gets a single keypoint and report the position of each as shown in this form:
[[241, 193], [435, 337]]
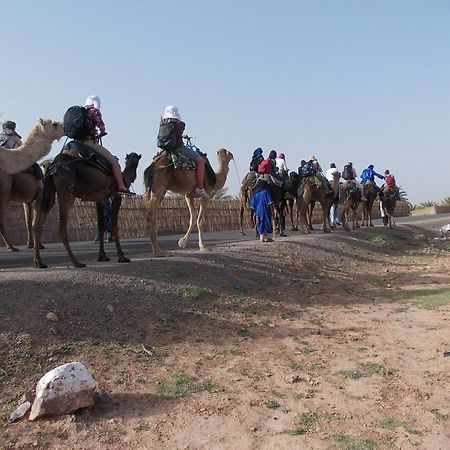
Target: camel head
[[52, 129], [224, 156]]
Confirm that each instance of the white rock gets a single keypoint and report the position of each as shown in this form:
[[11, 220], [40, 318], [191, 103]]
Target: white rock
[[64, 389], [20, 411]]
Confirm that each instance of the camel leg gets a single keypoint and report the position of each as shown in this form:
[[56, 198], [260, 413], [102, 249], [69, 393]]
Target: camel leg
[[3, 204], [30, 215], [201, 244], [324, 217], [241, 219], [101, 231], [150, 217], [345, 218], [304, 218], [65, 203], [115, 205], [38, 226], [183, 242]]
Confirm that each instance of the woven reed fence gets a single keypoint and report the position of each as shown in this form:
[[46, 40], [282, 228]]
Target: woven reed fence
[[173, 218]]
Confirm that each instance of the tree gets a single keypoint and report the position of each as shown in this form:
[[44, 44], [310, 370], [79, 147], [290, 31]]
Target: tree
[[446, 201]]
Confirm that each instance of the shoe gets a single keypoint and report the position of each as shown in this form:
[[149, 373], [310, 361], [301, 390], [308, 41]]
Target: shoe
[[126, 192], [201, 192]]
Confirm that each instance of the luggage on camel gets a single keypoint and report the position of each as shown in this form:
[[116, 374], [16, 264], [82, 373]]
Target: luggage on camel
[[255, 162], [167, 135], [308, 169], [75, 123], [347, 173]]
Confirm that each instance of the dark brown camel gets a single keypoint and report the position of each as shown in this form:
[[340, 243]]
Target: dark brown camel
[[312, 192], [350, 198], [370, 193], [279, 203], [388, 202], [70, 177], [292, 186]]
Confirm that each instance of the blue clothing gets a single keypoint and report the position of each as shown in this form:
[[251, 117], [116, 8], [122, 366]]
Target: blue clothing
[[260, 204], [369, 175]]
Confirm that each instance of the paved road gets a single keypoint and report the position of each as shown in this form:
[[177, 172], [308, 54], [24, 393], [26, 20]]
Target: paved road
[[55, 255]]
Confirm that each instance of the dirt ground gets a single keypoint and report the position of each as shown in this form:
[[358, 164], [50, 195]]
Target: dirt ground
[[320, 342]]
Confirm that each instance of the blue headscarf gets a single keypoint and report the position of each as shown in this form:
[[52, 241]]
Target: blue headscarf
[[258, 152]]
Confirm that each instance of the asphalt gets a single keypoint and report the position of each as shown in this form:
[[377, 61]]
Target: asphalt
[[55, 254]]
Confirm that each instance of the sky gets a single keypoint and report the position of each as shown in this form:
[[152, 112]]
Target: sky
[[365, 81]]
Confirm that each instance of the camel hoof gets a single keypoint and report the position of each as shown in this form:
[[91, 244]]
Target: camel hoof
[[204, 249], [294, 229], [182, 243], [103, 258], [124, 259], [13, 249], [79, 265], [372, 225], [40, 265]]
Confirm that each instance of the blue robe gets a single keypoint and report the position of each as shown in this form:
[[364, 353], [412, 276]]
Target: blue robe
[[260, 204]]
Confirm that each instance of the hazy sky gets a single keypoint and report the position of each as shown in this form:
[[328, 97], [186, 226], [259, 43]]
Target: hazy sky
[[349, 80]]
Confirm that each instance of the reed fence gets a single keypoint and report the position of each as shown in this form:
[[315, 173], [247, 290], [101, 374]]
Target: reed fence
[[172, 218]]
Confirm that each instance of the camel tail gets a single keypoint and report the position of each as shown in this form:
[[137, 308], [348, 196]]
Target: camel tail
[[148, 177], [48, 197]]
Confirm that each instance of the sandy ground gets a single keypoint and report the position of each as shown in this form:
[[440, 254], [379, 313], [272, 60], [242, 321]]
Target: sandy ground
[[318, 342]]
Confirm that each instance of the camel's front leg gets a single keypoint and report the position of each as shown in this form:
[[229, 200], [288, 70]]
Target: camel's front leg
[[152, 208], [101, 231], [183, 242], [116, 202], [324, 218], [201, 244]]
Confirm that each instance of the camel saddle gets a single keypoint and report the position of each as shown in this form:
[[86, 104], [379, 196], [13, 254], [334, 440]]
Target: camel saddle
[[88, 155], [179, 161]]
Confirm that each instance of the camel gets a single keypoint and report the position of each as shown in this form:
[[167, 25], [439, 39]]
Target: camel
[[36, 145], [350, 198], [72, 177], [161, 176], [314, 193], [388, 202], [279, 202], [371, 194]]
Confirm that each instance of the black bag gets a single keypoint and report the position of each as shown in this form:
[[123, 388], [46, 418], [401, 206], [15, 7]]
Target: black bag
[[347, 173], [167, 135], [254, 163], [74, 122], [308, 169]]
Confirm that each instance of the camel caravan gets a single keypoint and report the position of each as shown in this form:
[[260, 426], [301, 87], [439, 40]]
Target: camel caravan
[[86, 170]]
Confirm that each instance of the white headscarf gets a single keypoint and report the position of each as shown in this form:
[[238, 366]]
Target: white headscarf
[[93, 100], [171, 112]]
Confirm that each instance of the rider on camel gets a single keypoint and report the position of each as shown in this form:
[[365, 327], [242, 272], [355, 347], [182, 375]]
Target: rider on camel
[[96, 130], [257, 159], [10, 139]]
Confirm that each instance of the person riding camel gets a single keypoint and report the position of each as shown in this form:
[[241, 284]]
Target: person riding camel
[[318, 173], [369, 175], [281, 165], [349, 174], [172, 116], [10, 139], [96, 129], [268, 170], [257, 158], [390, 183]]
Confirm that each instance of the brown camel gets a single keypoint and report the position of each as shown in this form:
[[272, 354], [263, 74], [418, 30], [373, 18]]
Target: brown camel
[[36, 145], [350, 198], [161, 177], [292, 187], [388, 202], [370, 193], [312, 192], [20, 186], [72, 177]]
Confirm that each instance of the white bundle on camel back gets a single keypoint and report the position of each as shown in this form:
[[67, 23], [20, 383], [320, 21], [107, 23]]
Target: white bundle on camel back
[[37, 145]]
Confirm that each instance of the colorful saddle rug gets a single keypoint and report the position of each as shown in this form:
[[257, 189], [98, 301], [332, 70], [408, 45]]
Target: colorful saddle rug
[[179, 161]]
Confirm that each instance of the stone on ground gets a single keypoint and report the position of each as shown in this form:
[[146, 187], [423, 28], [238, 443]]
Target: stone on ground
[[64, 389]]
